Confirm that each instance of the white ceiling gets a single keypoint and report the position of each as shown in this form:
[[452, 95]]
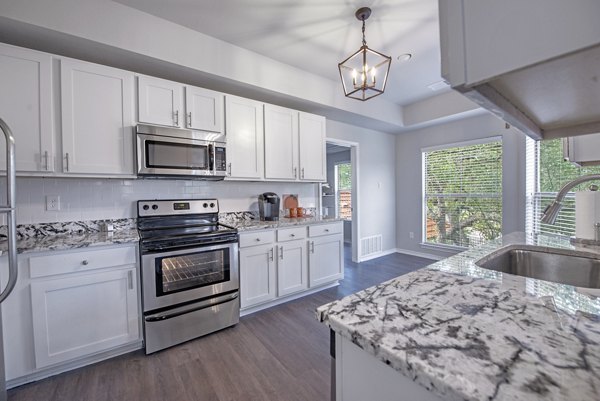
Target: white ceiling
[[315, 35]]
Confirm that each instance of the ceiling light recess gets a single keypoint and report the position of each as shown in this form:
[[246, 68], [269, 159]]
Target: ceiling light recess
[[364, 74]]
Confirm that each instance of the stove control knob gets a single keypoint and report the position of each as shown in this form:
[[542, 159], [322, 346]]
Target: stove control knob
[[154, 207], [145, 207], [205, 205], [212, 205]]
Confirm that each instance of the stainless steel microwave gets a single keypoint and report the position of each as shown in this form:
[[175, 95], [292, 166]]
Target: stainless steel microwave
[[172, 152]]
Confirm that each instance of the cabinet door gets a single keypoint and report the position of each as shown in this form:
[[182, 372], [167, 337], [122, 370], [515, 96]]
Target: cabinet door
[[80, 314], [204, 109], [281, 143], [326, 260], [313, 164], [292, 267], [245, 138], [97, 118], [26, 106], [257, 275], [159, 102]]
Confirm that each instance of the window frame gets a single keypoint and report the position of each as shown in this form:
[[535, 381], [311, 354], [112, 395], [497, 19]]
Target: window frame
[[480, 141]]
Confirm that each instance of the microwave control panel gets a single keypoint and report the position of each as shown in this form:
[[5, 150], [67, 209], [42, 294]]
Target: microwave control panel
[[220, 159]]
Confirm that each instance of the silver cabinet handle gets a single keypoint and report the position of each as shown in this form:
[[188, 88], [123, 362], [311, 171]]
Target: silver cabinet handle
[[176, 117], [292, 235], [295, 172], [46, 160], [271, 254], [189, 119], [229, 169], [281, 252], [326, 230], [312, 246], [130, 279], [67, 164], [258, 240], [302, 173], [85, 262]]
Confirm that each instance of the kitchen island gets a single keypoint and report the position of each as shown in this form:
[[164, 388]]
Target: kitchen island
[[455, 331]]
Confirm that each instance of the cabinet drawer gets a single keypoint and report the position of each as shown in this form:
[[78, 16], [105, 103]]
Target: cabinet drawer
[[256, 238], [78, 261], [325, 229], [291, 234]]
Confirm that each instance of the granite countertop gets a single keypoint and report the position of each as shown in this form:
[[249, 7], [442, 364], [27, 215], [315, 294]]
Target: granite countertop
[[70, 235], [467, 333], [72, 241], [249, 225]]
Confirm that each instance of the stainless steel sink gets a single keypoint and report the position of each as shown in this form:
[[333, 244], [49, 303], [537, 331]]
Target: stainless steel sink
[[555, 266]]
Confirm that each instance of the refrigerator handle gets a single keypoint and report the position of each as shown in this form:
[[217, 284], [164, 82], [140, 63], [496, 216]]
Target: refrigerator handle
[[10, 211]]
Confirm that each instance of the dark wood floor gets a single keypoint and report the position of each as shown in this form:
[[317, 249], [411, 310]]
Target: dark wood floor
[[281, 353]]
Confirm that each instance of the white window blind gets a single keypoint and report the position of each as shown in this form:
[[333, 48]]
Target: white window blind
[[462, 194], [546, 173]]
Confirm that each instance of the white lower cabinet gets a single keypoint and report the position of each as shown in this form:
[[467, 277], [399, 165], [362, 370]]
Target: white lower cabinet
[[273, 267], [326, 254], [292, 268], [257, 275], [68, 309], [81, 314]]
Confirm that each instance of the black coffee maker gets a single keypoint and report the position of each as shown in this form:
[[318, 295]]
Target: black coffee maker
[[268, 206]]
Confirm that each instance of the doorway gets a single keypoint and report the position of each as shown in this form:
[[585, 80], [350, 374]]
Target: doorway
[[339, 195]]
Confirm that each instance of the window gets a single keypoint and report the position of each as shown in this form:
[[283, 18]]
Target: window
[[343, 190], [462, 193], [547, 172]]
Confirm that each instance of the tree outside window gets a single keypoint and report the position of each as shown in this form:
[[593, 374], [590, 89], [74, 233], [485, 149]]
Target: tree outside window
[[343, 190], [463, 194]]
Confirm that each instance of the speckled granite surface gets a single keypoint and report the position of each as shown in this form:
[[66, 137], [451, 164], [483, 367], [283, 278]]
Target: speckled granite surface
[[69, 235], [249, 225], [467, 333]]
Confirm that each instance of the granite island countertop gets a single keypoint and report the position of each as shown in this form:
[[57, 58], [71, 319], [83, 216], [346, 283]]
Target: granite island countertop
[[249, 225], [467, 333]]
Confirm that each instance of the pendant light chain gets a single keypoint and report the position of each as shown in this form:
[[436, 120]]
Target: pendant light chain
[[363, 33]]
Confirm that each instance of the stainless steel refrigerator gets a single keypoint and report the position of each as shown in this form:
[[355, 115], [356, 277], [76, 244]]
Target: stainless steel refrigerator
[[9, 210]]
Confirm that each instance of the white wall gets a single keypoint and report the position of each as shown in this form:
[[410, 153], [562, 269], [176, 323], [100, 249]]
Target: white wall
[[377, 179], [93, 199], [409, 174]]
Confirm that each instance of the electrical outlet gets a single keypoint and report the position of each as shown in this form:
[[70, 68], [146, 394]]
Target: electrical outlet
[[411, 235], [52, 203]]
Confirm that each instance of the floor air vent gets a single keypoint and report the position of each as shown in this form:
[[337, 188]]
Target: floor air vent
[[370, 245]]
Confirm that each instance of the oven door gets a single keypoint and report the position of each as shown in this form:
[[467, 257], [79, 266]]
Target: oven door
[[162, 155], [174, 277]]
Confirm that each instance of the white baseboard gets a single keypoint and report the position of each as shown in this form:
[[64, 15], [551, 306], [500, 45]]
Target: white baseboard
[[420, 254], [252, 309], [77, 363]]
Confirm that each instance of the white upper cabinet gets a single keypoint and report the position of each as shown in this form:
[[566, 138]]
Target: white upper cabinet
[[97, 118], [313, 163], [532, 63], [281, 143], [245, 138], [26, 106], [204, 109], [160, 102]]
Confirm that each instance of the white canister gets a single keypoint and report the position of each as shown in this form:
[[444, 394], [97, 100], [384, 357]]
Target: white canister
[[587, 213]]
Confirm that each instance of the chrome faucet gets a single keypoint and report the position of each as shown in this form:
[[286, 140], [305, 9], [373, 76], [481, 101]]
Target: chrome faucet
[[551, 211]]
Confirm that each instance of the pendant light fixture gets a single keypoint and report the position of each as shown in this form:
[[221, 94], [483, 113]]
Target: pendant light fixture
[[364, 74]]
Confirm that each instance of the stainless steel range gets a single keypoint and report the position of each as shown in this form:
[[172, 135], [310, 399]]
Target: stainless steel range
[[190, 276]]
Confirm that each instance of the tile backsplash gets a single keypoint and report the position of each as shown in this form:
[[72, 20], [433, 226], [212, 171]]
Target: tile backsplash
[[95, 199]]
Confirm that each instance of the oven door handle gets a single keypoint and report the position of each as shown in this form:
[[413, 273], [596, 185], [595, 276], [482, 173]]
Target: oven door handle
[[191, 308]]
